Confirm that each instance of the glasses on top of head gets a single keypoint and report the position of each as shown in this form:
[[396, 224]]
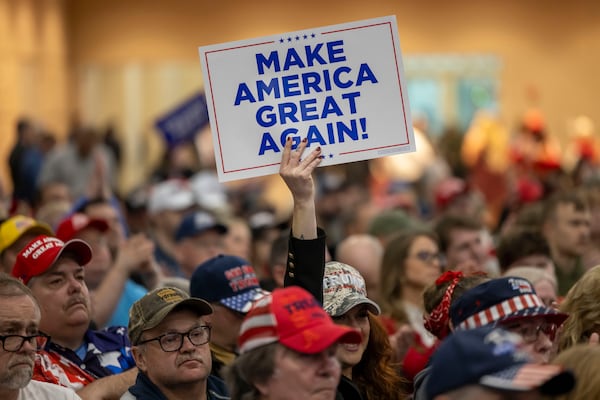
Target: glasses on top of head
[[530, 332], [173, 341], [14, 343], [429, 256]]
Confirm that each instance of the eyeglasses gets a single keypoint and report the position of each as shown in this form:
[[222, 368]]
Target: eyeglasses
[[530, 332], [173, 341], [429, 257], [14, 343]]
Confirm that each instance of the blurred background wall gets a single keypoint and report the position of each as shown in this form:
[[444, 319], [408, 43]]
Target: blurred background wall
[[127, 62]]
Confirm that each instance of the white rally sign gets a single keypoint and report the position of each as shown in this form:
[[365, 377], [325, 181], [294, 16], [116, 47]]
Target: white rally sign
[[341, 87]]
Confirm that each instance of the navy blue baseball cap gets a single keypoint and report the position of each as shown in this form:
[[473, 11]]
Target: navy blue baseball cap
[[196, 223], [493, 358], [499, 301], [228, 280]]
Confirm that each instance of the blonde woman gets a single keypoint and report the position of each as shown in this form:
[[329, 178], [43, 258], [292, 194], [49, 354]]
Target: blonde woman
[[584, 361], [581, 303]]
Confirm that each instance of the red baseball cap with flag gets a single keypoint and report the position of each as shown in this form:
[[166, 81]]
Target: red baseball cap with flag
[[77, 222], [294, 318], [39, 255]]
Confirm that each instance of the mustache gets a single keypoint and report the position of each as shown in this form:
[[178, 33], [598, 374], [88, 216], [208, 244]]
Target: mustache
[[76, 300], [185, 358]]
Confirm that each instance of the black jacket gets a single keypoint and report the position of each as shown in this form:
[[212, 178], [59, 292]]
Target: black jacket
[[145, 389], [308, 257]]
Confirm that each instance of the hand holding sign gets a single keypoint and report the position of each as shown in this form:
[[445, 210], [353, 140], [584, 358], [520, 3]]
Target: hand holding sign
[[339, 87], [297, 173]]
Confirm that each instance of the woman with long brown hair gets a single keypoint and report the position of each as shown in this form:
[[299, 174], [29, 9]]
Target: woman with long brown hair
[[411, 262], [375, 374], [367, 369]]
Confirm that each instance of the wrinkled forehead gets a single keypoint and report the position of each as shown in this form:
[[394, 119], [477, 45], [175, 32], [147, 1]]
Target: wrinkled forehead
[[12, 315]]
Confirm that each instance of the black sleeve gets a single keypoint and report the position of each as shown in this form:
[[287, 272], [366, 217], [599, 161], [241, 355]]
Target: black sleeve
[[306, 264]]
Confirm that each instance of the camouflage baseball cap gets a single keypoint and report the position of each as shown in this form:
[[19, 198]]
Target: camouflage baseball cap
[[150, 310], [343, 289]]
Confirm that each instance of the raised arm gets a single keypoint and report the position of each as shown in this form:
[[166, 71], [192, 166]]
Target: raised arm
[[134, 254], [297, 175], [306, 247]]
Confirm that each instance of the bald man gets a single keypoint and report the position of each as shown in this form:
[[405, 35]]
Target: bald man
[[363, 252]]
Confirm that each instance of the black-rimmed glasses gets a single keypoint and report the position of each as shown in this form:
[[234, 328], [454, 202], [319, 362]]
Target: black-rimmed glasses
[[14, 343], [173, 341]]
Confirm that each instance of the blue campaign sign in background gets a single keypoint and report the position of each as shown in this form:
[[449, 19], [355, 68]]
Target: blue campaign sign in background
[[183, 123]]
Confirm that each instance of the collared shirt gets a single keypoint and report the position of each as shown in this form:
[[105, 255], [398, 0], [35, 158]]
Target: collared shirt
[[108, 352], [46, 391]]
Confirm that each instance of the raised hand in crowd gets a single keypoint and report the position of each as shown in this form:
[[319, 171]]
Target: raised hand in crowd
[[296, 172], [135, 254]]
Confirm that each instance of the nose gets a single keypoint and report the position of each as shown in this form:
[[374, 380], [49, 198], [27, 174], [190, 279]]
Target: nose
[[543, 345], [352, 322], [327, 360], [75, 285], [187, 344], [329, 363], [586, 231], [28, 346]]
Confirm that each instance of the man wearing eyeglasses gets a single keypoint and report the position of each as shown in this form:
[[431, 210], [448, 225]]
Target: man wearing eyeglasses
[[169, 333], [19, 321], [95, 363]]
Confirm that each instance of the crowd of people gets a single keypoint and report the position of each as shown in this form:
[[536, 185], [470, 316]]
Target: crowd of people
[[369, 288]]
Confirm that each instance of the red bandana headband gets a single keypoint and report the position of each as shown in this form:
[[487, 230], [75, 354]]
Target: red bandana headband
[[437, 321]]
